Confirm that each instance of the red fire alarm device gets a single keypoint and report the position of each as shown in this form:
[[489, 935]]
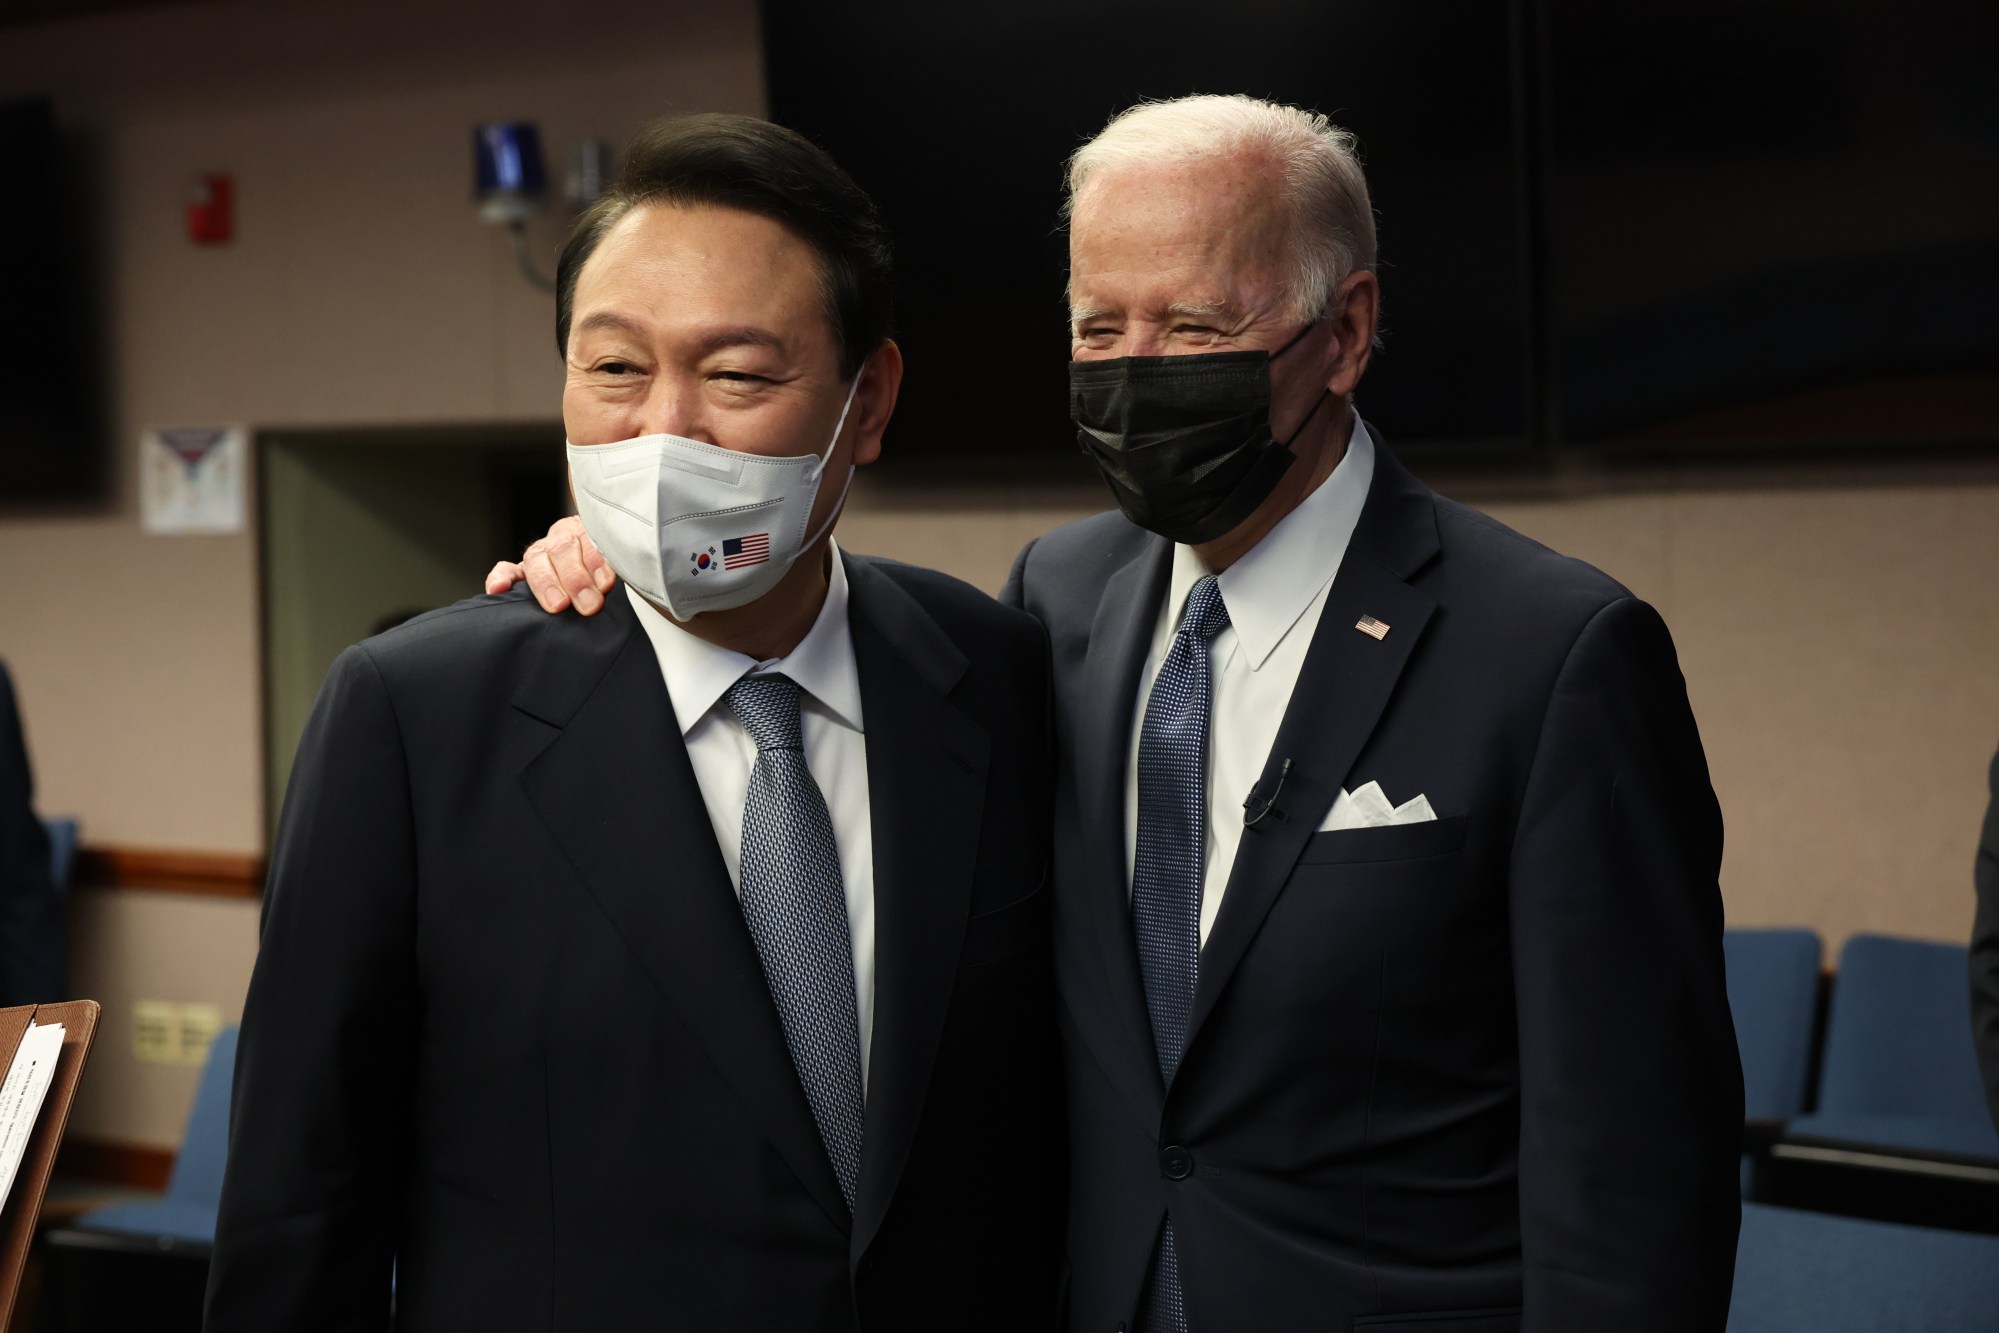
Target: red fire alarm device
[[211, 212]]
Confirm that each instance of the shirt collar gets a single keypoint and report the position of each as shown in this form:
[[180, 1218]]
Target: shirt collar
[[1278, 579], [698, 673]]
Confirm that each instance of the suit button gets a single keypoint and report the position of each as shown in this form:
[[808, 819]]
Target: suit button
[[1176, 1162]]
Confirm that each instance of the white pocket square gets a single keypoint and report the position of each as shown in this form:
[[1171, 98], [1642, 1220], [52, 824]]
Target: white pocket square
[[1368, 807]]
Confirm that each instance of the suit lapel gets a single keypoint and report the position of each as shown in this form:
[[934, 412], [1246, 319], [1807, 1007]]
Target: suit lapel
[[1343, 688], [926, 791], [617, 793], [1119, 638]]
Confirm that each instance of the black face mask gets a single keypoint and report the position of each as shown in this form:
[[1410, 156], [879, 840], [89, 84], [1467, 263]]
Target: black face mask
[[1183, 441]]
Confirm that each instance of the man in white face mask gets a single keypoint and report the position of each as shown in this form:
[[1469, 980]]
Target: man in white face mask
[[683, 965]]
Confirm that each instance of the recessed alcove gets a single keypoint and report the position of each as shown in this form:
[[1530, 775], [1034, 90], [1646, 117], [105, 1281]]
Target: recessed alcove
[[359, 529]]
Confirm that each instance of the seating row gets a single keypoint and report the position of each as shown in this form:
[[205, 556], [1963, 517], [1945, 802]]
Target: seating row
[[1892, 1064], [1863, 1097]]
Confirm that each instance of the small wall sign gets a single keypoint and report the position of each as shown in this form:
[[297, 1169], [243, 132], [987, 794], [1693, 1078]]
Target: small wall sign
[[192, 479]]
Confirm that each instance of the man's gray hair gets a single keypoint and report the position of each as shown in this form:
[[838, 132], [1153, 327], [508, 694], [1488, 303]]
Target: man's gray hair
[[1332, 219]]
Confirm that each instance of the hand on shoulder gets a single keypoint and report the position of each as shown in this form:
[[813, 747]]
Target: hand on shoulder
[[563, 570]]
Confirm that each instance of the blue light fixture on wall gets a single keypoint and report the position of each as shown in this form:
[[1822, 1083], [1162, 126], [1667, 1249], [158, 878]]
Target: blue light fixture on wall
[[511, 187], [511, 184], [507, 171]]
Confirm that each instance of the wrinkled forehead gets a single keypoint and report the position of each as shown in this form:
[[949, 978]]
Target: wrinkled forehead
[[1206, 233]]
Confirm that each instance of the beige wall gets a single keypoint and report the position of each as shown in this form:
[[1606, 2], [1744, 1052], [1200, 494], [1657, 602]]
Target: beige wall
[[129, 947], [1837, 627], [1841, 647], [361, 291]]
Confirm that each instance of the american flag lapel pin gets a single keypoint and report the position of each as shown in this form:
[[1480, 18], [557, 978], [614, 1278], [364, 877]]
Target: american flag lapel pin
[[1375, 629]]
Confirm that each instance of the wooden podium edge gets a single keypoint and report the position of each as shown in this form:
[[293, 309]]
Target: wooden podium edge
[[24, 1199]]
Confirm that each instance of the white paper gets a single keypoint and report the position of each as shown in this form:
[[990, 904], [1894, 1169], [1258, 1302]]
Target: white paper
[[192, 479], [21, 1094]]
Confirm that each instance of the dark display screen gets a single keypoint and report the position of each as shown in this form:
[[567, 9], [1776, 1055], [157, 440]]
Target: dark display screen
[[958, 121], [1773, 222], [52, 436]]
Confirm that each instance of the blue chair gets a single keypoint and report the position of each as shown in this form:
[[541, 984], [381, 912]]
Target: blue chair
[[62, 853], [1773, 990], [194, 1191], [1899, 1068], [1799, 1271]]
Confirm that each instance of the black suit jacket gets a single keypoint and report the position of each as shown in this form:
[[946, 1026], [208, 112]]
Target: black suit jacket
[[1985, 950], [1471, 1075], [32, 939], [507, 1027]]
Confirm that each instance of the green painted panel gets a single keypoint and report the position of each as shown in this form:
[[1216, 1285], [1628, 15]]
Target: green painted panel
[[356, 529]]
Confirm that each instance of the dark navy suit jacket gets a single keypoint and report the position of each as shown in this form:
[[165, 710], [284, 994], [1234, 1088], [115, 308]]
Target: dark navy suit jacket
[[1985, 950], [1474, 1075], [32, 938], [508, 1029]]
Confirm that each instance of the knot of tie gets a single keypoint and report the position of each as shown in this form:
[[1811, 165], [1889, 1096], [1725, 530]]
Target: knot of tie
[[767, 706], [1206, 614]]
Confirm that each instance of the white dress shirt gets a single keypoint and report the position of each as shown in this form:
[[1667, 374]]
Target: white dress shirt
[[698, 674], [1275, 594]]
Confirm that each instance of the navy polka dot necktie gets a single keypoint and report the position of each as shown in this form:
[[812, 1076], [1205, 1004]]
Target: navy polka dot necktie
[[1167, 871], [795, 903]]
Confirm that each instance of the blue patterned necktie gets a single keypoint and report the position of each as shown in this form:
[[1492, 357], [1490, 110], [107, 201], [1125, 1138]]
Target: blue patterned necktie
[[795, 903], [1167, 871]]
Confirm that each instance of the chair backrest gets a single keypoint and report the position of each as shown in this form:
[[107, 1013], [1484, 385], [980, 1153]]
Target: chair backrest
[[62, 852], [1898, 1032], [197, 1174], [1773, 990]]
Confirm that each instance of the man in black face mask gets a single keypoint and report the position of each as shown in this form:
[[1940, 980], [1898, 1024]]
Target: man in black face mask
[[1388, 932], [1386, 855]]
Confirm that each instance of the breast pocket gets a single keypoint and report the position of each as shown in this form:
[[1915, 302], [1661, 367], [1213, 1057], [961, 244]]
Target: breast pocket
[[1006, 931], [1389, 842], [1444, 1321]]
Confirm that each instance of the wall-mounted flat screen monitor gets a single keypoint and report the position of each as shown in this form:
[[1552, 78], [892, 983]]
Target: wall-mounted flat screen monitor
[[958, 119], [1773, 223], [52, 413]]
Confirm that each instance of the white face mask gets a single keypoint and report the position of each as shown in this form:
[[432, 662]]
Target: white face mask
[[694, 527]]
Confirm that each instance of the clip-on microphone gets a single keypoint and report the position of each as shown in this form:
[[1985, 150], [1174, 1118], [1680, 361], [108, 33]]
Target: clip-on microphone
[[1254, 808]]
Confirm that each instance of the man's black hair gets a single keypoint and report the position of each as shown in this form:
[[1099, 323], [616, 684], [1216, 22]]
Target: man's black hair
[[740, 162]]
